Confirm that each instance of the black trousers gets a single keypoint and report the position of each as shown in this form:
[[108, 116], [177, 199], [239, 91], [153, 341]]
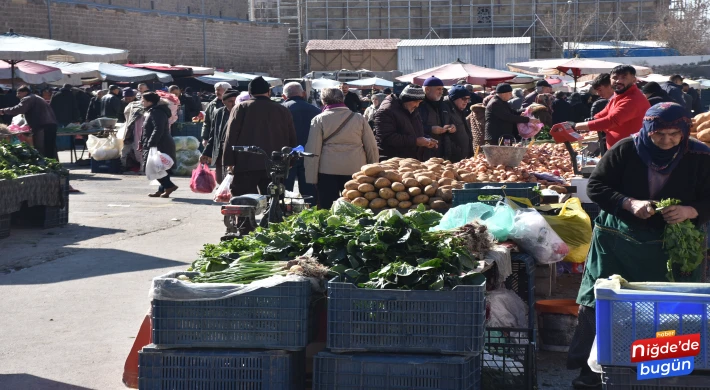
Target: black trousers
[[329, 188], [249, 182], [165, 182], [45, 140], [583, 339]]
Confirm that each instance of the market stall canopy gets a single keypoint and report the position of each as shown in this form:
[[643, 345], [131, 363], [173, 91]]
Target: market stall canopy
[[17, 47], [164, 68], [522, 78], [219, 77], [30, 72], [273, 81], [451, 73], [704, 83], [574, 67], [90, 72], [196, 70], [322, 83], [371, 82]]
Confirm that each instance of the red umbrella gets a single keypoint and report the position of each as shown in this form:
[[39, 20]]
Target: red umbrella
[[29, 72], [451, 73]]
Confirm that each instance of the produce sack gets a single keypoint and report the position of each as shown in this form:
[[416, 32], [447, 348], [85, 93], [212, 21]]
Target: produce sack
[[186, 143], [535, 236], [188, 158], [182, 170], [157, 164], [574, 227], [102, 149], [498, 220], [202, 181], [223, 194]]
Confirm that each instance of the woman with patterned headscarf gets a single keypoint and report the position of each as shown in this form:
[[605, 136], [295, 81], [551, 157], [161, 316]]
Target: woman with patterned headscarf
[[661, 161], [542, 108]]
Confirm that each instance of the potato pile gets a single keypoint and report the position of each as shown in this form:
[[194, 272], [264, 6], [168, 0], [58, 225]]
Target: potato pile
[[701, 128], [405, 183]]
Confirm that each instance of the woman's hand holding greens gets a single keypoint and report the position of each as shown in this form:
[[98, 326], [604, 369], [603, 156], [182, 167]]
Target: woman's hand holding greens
[[677, 214]]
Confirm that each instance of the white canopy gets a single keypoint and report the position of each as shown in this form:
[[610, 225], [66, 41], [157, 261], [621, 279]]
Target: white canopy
[[30, 72], [17, 47], [578, 66], [372, 82], [235, 78], [322, 82], [76, 74]]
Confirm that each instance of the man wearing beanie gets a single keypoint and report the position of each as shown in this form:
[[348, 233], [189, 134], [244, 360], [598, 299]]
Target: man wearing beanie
[[398, 128], [111, 103], [257, 122], [64, 105], [213, 150], [461, 139], [542, 86], [501, 119], [436, 118]]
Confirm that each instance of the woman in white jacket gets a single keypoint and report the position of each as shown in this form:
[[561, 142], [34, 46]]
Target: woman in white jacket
[[342, 141]]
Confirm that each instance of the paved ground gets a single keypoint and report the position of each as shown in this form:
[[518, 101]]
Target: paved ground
[[74, 297]]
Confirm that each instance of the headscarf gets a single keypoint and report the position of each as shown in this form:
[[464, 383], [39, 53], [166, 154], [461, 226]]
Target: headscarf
[[546, 100], [659, 117]]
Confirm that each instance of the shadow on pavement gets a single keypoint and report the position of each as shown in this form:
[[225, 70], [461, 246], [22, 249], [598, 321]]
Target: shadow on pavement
[[31, 382], [80, 263], [208, 201], [91, 176]]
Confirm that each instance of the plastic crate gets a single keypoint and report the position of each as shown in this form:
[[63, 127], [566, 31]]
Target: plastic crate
[[45, 217], [471, 191], [522, 281], [5, 225], [406, 321], [106, 166], [592, 209], [624, 378], [624, 316], [270, 318], [389, 372], [509, 359], [219, 369]]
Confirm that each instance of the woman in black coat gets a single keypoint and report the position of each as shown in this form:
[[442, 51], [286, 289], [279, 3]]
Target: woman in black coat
[[580, 111], [156, 133]]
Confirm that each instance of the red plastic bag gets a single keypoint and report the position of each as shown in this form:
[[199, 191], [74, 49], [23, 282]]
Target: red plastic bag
[[203, 181]]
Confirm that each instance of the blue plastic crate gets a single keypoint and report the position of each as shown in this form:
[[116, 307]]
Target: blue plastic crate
[[390, 372], [471, 191], [626, 315], [270, 318], [406, 321], [522, 281], [219, 369], [509, 362], [106, 166], [624, 378]]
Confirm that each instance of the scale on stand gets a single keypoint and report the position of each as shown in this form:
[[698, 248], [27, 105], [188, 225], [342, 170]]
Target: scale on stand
[[564, 133]]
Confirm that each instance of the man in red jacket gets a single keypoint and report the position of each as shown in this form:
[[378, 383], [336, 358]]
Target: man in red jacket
[[623, 115]]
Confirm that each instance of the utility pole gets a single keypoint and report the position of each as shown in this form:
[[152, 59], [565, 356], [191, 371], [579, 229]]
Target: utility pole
[[49, 17], [204, 36]]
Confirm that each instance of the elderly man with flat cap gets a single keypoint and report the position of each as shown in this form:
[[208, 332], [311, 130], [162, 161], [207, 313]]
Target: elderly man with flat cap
[[213, 150], [435, 117], [501, 119], [542, 86], [111, 103], [260, 122]]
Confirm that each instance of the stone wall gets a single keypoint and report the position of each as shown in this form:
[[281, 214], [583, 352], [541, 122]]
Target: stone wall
[[241, 46]]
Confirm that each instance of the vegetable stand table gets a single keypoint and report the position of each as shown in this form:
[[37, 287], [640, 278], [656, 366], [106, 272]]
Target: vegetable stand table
[[73, 157]]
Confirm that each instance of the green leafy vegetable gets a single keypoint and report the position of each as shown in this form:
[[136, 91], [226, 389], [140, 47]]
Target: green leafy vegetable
[[683, 243], [22, 159]]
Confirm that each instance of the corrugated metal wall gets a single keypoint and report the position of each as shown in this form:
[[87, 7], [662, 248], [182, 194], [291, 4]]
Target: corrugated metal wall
[[412, 59]]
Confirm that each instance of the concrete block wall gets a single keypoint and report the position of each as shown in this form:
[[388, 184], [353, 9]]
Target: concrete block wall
[[240, 46], [236, 9]]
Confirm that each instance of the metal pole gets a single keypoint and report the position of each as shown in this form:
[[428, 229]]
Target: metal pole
[[49, 17], [12, 74], [204, 36]]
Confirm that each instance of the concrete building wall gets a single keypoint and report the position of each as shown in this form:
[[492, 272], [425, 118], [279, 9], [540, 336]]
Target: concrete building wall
[[234, 9], [241, 46]]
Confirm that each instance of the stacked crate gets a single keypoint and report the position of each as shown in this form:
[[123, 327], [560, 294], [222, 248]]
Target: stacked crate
[[629, 314], [254, 340], [401, 339], [45, 217]]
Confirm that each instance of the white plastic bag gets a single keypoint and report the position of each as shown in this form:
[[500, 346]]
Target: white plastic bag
[[223, 194], [102, 149], [532, 232], [507, 310], [157, 164]]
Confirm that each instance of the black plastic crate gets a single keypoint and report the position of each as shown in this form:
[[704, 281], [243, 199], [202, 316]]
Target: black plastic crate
[[406, 321], [624, 378], [592, 209], [390, 372], [509, 359], [106, 166], [45, 217], [5, 225], [219, 369], [271, 318], [522, 281], [471, 191]]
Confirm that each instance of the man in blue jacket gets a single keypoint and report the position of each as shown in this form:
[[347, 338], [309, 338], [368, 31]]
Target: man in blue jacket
[[302, 112]]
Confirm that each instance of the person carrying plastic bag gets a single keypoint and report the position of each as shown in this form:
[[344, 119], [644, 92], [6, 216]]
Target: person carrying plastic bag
[[156, 138], [203, 182]]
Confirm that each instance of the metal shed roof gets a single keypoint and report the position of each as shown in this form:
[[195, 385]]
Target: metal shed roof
[[351, 44], [464, 41], [611, 45]]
